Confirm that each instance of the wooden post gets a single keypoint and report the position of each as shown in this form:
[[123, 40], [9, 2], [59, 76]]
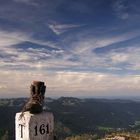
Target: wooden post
[[34, 126]]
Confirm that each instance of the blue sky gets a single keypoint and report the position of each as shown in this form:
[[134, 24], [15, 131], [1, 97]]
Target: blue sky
[[78, 47]]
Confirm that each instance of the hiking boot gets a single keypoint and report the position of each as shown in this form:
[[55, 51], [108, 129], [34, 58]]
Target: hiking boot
[[35, 103]]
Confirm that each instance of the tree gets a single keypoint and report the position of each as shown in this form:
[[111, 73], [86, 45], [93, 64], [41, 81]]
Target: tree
[[5, 136]]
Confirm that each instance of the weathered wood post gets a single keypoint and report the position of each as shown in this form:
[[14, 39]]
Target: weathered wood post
[[33, 123]]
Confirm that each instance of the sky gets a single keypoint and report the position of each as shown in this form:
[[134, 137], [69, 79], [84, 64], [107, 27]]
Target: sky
[[80, 48]]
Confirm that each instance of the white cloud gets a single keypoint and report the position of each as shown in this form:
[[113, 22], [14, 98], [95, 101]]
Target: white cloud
[[119, 57], [88, 43], [12, 56], [11, 38], [112, 59], [61, 83], [64, 83], [61, 28], [7, 39], [129, 56]]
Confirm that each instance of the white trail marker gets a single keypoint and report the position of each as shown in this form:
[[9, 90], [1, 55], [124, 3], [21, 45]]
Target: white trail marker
[[34, 126]]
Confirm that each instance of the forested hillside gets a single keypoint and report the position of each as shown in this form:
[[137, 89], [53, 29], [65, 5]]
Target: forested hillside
[[78, 117]]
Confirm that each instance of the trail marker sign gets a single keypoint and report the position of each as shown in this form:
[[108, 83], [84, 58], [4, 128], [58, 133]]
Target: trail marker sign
[[34, 126]]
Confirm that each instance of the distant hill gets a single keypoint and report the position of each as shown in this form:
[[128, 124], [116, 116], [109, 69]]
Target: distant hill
[[76, 116]]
